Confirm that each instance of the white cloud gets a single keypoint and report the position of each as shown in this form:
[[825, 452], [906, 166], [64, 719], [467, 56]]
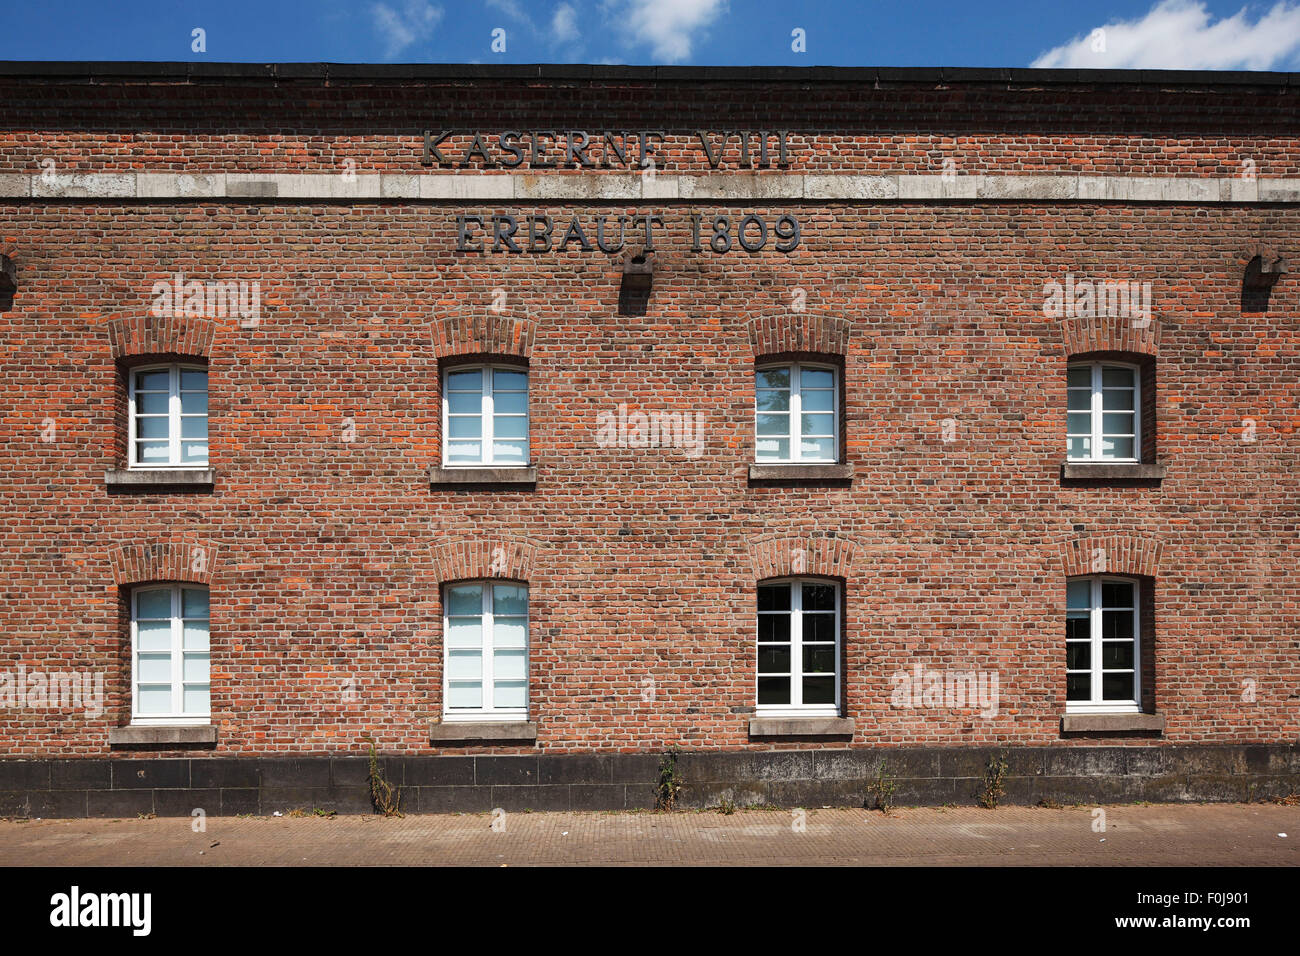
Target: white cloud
[[1179, 35], [668, 27], [564, 24], [514, 11], [400, 29]]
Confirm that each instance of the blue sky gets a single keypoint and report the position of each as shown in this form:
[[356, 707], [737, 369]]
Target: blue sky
[[1188, 34]]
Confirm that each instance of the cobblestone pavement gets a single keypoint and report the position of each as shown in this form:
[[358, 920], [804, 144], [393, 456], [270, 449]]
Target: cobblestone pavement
[[1201, 835]]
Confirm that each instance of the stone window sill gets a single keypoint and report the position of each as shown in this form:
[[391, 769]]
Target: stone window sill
[[801, 727], [483, 476], [1100, 471], [160, 736], [474, 731], [197, 478], [817, 473], [1112, 723]]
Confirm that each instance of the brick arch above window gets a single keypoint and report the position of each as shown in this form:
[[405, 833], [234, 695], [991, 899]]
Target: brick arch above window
[[786, 332], [483, 333], [143, 335], [488, 557], [181, 560], [802, 555], [1111, 333], [1113, 553]]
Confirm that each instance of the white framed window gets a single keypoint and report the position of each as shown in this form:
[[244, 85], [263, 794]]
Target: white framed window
[[1104, 413], [1102, 645], [485, 640], [799, 648], [170, 655], [796, 414], [485, 416], [168, 416]]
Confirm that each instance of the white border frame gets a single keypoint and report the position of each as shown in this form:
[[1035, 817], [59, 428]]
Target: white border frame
[[486, 650], [795, 431], [174, 439], [486, 413], [1096, 412], [795, 584], [175, 719], [1096, 705]]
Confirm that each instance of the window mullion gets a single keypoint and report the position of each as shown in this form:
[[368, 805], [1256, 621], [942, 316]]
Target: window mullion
[[488, 645], [489, 408], [178, 701], [1096, 642], [174, 416], [796, 645], [1096, 412], [796, 416]]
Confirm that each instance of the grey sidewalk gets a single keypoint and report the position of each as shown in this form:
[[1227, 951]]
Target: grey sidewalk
[[1178, 835]]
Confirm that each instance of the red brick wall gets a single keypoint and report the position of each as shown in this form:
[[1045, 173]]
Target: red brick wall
[[327, 556]]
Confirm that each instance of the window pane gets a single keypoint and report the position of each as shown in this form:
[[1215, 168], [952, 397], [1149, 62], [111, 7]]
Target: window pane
[[1080, 447], [1117, 594], [464, 665], [819, 627], [194, 379], [1117, 624], [774, 660], [1078, 627], [156, 602], [464, 403], [515, 403], [197, 700], [194, 451], [818, 400], [1113, 376], [774, 627], [1117, 687], [465, 599], [151, 426], [152, 403], [819, 660], [819, 690], [510, 665], [1080, 376], [149, 453], [819, 424], [471, 380], [512, 694], [154, 699], [1117, 655], [1078, 687], [1079, 400], [509, 426], [1117, 448], [773, 378], [1117, 423], [772, 424], [194, 602], [816, 378], [510, 632], [464, 426], [153, 668], [772, 449], [774, 597], [771, 400], [468, 695], [155, 380], [464, 453], [1079, 423], [1117, 400], [774, 690], [195, 636], [509, 452], [153, 635], [194, 403], [818, 597], [195, 668], [194, 426], [1078, 655], [509, 599], [505, 380], [821, 449], [1078, 594]]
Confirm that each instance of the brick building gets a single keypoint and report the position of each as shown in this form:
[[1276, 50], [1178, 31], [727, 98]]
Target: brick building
[[534, 422]]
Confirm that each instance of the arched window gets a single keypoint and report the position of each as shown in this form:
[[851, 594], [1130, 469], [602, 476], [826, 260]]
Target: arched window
[[1102, 666], [169, 655], [799, 647], [1104, 413], [485, 642], [796, 413], [485, 416], [168, 416]]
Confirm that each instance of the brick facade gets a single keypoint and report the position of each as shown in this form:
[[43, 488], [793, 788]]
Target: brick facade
[[325, 554]]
